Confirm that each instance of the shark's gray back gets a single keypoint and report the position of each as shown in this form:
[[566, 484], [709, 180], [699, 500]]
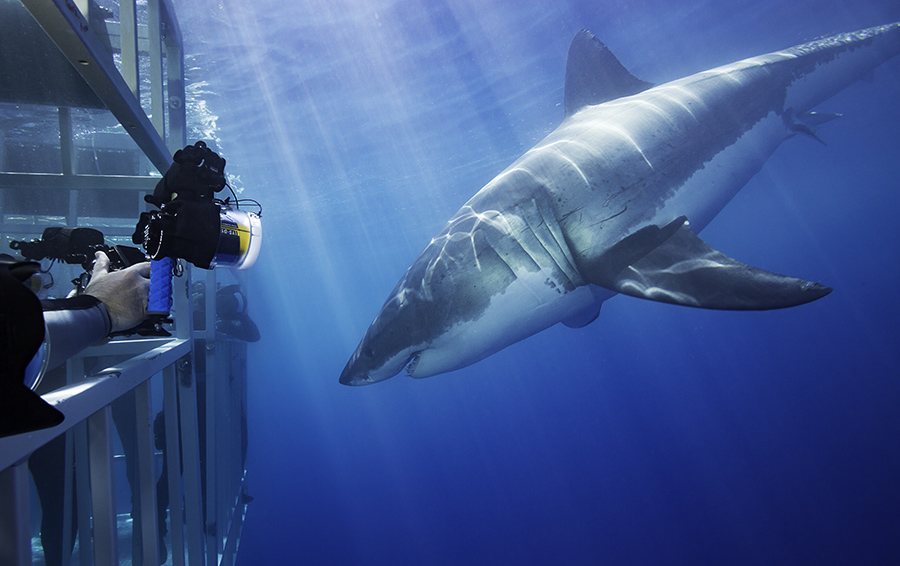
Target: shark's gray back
[[688, 146]]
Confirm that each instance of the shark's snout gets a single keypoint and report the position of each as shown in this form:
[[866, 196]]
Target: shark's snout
[[367, 365], [354, 373], [348, 378]]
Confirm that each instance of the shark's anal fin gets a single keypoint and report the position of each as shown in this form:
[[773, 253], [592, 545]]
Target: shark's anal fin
[[685, 270], [594, 75]]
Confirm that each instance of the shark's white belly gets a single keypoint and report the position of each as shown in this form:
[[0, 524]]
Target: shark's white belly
[[711, 187]]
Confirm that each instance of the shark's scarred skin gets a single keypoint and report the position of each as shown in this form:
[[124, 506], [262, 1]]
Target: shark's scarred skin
[[611, 202]]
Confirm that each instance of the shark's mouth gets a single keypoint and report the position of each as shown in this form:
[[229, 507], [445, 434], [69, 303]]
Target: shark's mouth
[[411, 365]]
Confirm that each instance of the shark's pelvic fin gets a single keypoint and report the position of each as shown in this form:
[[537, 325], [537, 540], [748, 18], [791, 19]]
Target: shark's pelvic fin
[[583, 318], [594, 75], [685, 270], [807, 123], [813, 119]]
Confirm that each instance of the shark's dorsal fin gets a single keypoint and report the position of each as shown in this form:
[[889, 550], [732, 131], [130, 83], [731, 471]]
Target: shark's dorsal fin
[[594, 75], [685, 270]]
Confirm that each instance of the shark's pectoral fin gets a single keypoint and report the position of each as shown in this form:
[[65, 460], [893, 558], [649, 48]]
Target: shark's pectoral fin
[[684, 270]]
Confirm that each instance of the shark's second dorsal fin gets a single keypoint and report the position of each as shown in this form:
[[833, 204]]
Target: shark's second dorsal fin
[[594, 75], [672, 265]]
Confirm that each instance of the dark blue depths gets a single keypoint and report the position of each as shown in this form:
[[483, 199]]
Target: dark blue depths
[[656, 435]]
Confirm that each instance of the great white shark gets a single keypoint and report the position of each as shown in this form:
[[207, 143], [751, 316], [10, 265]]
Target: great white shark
[[611, 202]]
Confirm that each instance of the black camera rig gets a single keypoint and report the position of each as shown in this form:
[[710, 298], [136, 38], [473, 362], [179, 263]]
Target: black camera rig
[[77, 246], [193, 225], [190, 224]]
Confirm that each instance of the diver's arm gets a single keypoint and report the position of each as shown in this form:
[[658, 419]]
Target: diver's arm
[[73, 325], [111, 302], [124, 292]]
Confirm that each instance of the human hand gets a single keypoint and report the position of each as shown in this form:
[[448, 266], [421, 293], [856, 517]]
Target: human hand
[[123, 292]]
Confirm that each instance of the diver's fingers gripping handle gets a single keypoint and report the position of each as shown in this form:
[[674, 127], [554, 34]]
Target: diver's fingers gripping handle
[[160, 301]]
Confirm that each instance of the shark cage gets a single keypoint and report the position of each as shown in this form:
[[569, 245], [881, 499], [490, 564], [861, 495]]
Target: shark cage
[[147, 464]]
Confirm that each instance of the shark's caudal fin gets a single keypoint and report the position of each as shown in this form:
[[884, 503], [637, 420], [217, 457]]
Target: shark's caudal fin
[[594, 75], [673, 265]]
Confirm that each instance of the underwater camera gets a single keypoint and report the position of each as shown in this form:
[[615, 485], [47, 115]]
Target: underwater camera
[[71, 245], [207, 235], [77, 246], [190, 224], [193, 225]]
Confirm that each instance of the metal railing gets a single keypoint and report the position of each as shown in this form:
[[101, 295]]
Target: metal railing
[[201, 375]]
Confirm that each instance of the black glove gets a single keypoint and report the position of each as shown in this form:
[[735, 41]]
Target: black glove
[[191, 230], [196, 173]]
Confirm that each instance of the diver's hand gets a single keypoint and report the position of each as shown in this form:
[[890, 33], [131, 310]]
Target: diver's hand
[[123, 292]]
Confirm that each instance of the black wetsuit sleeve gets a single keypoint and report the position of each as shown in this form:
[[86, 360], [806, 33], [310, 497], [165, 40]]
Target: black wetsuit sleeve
[[73, 325]]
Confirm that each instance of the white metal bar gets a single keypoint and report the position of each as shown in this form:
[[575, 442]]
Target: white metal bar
[[188, 421], [212, 432], [15, 512], [183, 303], [177, 132], [83, 495], [173, 465], [103, 492], [68, 502], [156, 74], [232, 543], [128, 347], [146, 474], [213, 526], [174, 77], [57, 181], [129, 37], [225, 444], [190, 450], [76, 440], [37, 227], [66, 140], [167, 15], [67, 155], [72, 216], [82, 487], [212, 435], [221, 408], [175, 81], [80, 400]]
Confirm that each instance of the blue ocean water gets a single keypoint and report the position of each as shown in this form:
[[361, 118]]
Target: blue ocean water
[[656, 435]]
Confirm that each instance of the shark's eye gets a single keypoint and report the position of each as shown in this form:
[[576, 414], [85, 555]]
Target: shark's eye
[[368, 352]]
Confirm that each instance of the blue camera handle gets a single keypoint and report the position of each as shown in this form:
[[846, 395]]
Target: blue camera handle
[[160, 301]]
